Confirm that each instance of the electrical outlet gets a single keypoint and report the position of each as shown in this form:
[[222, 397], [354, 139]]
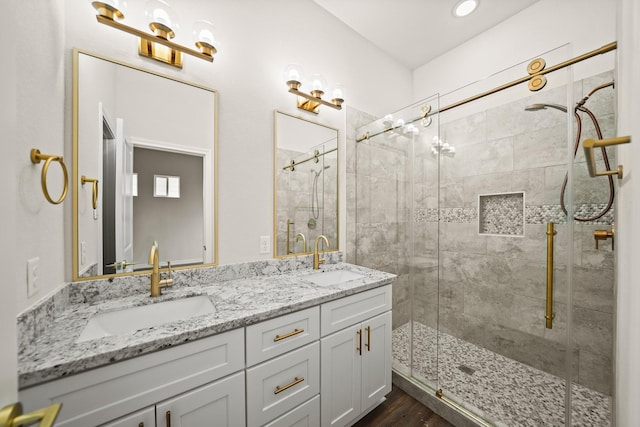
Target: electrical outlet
[[33, 265], [265, 244], [83, 253]]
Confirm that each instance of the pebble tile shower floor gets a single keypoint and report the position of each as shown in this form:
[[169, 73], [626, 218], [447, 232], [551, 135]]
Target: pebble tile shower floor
[[503, 391]]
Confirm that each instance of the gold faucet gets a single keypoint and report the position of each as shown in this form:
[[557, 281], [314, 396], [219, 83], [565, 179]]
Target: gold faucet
[[316, 256], [300, 236], [156, 283]]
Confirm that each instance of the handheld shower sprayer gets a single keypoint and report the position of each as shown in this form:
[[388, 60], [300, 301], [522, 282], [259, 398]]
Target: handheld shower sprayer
[[580, 107]]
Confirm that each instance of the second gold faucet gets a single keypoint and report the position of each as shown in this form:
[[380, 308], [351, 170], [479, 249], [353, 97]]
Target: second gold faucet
[[316, 255], [156, 283]]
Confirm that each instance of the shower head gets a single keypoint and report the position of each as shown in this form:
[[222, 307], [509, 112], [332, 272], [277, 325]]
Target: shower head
[[537, 107]]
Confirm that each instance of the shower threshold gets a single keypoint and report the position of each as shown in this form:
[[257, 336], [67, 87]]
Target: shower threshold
[[498, 389]]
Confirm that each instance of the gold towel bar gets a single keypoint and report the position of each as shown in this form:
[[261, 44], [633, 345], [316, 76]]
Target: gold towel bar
[[590, 144], [37, 157], [94, 190]]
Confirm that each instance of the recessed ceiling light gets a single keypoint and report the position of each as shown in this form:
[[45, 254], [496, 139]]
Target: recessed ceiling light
[[465, 7]]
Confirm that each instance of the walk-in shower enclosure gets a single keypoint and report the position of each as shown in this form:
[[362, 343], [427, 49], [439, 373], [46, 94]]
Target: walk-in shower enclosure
[[457, 202]]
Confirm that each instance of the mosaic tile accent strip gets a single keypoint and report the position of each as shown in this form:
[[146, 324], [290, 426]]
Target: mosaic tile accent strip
[[553, 213], [501, 390], [459, 215], [501, 214], [544, 213], [425, 215]]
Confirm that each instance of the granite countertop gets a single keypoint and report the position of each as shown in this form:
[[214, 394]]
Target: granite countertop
[[55, 354]]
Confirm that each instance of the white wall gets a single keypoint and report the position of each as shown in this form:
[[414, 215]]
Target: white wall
[[41, 118], [546, 25], [258, 39], [9, 197], [627, 351]]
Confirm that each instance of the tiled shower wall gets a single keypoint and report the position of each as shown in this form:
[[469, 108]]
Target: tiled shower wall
[[491, 288], [294, 193]]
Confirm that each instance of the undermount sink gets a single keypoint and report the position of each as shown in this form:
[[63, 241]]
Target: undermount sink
[[127, 320], [333, 277]]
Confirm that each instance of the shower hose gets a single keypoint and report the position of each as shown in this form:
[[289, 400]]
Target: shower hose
[[580, 107]]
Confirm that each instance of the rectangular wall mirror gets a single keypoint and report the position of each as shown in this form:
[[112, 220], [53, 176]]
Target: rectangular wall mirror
[[306, 185], [131, 126]]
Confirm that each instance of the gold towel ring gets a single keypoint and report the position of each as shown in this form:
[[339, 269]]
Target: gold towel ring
[[37, 157], [94, 190]]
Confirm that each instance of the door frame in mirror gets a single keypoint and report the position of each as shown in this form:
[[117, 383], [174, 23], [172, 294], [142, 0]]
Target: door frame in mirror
[[275, 186], [212, 183]]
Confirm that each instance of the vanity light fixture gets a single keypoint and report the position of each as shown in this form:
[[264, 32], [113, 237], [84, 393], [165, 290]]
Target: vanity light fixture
[[312, 101], [159, 45]]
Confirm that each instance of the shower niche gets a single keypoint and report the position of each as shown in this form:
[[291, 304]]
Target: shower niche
[[501, 214]]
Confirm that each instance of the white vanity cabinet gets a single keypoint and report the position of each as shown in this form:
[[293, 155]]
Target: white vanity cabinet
[[324, 365], [119, 392], [355, 355]]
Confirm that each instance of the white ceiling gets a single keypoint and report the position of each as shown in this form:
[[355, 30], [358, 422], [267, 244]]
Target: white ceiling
[[417, 31]]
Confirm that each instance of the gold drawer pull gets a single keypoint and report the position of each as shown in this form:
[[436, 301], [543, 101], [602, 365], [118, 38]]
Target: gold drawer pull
[[359, 348], [291, 384], [290, 334]]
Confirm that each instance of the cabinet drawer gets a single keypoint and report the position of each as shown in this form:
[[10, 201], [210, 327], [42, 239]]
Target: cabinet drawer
[[144, 418], [281, 384], [106, 393], [344, 312], [277, 336], [305, 415]]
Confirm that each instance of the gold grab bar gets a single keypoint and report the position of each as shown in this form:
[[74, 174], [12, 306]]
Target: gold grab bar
[[94, 190], [291, 384], [288, 335], [11, 415], [590, 144], [37, 157], [550, 315]]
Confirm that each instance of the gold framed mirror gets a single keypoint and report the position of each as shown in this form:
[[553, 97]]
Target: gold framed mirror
[[144, 169], [305, 185]]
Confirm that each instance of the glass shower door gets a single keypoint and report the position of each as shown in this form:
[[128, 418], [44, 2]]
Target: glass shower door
[[502, 300]]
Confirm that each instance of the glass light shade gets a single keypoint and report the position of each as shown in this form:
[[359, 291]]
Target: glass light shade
[[160, 12], [338, 92], [465, 7], [203, 31], [318, 82], [293, 72]]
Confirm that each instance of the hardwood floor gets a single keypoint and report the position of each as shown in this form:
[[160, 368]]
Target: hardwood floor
[[402, 410]]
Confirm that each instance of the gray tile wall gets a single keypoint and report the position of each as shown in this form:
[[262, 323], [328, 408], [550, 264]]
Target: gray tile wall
[[410, 215]]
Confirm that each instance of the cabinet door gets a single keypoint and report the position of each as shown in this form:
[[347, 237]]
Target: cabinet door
[[143, 418], [376, 359], [219, 404], [341, 363]]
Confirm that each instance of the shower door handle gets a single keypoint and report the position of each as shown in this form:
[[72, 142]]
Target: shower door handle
[[549, 315]]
